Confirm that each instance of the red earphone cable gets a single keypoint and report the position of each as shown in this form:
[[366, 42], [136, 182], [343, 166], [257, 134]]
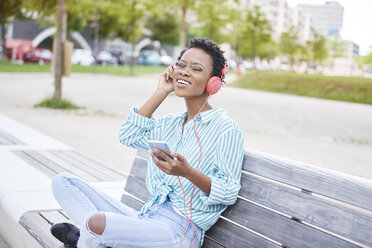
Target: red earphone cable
[[193, 189]]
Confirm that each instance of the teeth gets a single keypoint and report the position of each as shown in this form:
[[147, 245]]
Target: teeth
[[183, 82]]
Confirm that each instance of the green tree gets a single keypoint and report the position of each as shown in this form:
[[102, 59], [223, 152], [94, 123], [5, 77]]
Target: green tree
[[56, 11], [318, 47], [8, 9], [289, 44], [366, 59], [213, 16], [337, 47], [184, 6], [164, 28], [252, 34]]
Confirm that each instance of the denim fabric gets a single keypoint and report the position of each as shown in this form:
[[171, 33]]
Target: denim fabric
[[161, 226]]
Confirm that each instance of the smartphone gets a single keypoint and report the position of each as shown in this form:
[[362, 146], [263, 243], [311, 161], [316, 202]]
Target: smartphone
[[161, 145]]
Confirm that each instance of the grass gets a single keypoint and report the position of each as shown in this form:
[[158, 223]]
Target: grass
[[350, 89], [124, 70], [57, 104]]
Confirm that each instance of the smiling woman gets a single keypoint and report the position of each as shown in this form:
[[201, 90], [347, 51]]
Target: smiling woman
[[190, 190]]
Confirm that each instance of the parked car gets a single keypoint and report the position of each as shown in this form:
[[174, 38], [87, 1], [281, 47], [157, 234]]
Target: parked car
[[82, 57], [106, 58], [149, 57], [166, 60], [39, 55]]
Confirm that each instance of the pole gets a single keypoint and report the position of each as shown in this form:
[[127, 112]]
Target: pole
[[96, 42]]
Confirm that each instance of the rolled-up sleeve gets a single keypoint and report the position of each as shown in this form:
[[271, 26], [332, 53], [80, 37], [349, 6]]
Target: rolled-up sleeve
[[227, 169], [136, 130]]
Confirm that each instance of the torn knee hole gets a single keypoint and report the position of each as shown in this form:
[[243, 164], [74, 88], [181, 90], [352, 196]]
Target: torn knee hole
[[97, 223]]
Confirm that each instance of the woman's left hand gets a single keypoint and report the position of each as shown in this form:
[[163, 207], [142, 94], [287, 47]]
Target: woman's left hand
[[179, 167]]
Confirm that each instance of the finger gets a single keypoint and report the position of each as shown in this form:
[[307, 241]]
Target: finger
[[161, 154], [169, 72], [179, 157], [157, 161], [164, 155]]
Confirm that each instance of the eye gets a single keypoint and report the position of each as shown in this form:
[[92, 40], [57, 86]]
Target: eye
[[197, 69], [180, 65]]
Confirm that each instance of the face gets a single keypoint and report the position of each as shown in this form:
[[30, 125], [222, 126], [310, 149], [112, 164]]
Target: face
[[192, 72]]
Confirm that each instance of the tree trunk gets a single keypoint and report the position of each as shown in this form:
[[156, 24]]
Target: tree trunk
[[253, 40], [60, 38], [133, 36], [96, 41], [3, 40], [183, 25]]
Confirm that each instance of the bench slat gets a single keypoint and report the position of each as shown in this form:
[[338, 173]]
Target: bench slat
[[208, 243], [97, 171], [51, 170], [139, 168], [342, 187], [137, 187], [50, 166], [330, 216], [281, 228], [131, 202], [54, 217], [39, 228], [111, 173], [142, 154], [232, 236], [61, 165]]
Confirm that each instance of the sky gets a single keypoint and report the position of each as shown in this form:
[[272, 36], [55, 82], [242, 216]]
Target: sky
[[357, 22]]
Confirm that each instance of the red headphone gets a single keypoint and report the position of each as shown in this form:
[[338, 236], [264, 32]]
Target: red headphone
[[214, 83]]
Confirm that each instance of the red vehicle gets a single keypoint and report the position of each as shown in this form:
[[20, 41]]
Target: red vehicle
[[16, 48], [38, 55]]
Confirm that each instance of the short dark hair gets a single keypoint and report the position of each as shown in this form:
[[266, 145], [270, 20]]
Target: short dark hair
[[212, 49]]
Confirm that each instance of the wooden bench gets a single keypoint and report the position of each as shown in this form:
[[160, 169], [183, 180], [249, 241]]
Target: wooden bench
[[282, 203]]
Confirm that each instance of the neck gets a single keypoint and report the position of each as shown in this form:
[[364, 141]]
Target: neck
[[193, 106]]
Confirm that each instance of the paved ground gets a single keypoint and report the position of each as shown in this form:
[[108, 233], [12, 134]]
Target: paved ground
[[331, 134]]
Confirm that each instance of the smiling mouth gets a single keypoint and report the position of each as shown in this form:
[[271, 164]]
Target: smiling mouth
[[181, 81]]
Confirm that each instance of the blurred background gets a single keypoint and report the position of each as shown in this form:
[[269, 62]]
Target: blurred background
[[270, 35]]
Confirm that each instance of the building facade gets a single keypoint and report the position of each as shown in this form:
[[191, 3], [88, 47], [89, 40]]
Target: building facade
[[327, 18]]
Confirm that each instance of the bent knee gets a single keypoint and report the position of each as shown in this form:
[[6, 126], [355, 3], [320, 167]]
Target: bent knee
[[97, 223], [60, 180]]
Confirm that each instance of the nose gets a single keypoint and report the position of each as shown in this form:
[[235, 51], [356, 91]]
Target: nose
[[184, 71]]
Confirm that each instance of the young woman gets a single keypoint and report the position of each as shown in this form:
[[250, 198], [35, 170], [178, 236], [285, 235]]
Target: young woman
[[189, 191]]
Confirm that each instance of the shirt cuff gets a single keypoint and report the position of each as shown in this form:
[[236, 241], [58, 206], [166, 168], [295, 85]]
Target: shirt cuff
[[217, 193], [139, 120]]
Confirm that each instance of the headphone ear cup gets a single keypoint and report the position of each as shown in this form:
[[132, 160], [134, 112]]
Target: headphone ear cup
[[213, 85]]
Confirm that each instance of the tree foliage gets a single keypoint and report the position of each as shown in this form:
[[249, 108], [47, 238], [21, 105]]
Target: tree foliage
[[318, 47], [213, 16], [8, 9], [254, 37], [164, 28], [289, 44], [337, 47], [367, 59]]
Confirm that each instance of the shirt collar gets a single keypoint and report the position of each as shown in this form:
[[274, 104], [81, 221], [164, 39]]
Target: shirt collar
[[205, 116]]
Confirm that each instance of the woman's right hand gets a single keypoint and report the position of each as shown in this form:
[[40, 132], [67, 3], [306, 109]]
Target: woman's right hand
[[165, 82]]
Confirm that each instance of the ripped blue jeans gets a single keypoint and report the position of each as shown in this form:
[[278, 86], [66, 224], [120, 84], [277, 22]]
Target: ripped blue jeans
[[161, 226]]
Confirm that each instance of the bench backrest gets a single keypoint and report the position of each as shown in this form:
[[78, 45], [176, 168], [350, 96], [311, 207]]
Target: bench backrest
[[282, 203]]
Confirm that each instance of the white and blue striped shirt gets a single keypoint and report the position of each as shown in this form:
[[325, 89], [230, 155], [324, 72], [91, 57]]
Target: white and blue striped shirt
[[223, 151]]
